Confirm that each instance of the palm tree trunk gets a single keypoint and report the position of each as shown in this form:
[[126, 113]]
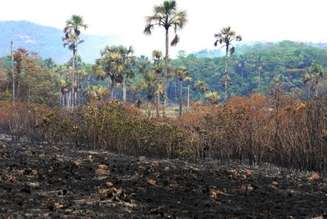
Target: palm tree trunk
[[166, 68], [180, 99], [226, 75], [112, 90], [157, 104], [73, 80], [12, 69], [259, 81], [188, 97], [29, 95], [69, 98], [124, 89]]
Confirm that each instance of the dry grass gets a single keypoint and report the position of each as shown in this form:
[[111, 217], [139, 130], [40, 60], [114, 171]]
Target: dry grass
[[257, 129]]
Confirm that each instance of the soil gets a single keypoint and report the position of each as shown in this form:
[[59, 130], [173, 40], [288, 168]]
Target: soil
[[38, 181]]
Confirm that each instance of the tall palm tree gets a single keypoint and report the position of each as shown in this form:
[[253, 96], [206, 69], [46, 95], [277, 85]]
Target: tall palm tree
[[72, 39], [168, 17], [226, 37], [188, 79], [181, 74], [202, 87], [257, 63], [157, 74]]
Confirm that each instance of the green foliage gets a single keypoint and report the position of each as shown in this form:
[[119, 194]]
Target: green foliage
[[168, 17], [115, 62], [286, 60], [72, 32], [212, 97], [35, 81]]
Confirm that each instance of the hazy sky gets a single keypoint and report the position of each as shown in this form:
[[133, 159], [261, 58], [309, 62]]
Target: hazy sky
[[255, 20]]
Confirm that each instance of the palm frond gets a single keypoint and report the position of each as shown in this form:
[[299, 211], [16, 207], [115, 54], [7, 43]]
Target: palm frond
[[77, 31], [232, 50], [175, 40], [79, 42], [148, 29]]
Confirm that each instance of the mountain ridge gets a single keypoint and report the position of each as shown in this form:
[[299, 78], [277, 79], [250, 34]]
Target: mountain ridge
[[47, 41]]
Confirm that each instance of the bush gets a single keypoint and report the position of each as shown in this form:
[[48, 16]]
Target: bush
[[277, 129]]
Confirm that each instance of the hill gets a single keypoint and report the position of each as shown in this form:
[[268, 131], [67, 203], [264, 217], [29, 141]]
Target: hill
[[47, 41]]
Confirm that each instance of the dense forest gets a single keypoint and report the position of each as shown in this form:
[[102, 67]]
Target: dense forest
[[211, 132]]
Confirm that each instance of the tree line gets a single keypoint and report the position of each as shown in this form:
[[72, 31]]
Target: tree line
[[119, 74]]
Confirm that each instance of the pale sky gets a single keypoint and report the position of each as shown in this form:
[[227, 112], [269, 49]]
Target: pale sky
[[255, 20]]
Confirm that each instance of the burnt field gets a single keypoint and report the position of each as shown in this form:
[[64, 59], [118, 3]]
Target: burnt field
[[62, 182]]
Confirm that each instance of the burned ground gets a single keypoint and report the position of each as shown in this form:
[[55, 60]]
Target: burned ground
[[61, 182]]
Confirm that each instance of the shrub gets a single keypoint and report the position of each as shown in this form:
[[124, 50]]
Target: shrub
[[277, 129]]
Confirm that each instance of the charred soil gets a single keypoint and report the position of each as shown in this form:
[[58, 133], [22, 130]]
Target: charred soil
[[63, 182]]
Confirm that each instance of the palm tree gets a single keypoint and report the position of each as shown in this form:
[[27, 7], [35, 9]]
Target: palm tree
[[96, 93], [258, 65], [226, 37], [168, 17], [72, 39], [181, 74], [116, 62], [188, 79], [313, 76], [201, 86], [212, 97], [157, 73]]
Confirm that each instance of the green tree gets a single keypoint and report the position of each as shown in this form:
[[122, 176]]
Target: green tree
[[313, 77], [212, 97], [117, 63], [34, 81], [168, 17], [226, 37]]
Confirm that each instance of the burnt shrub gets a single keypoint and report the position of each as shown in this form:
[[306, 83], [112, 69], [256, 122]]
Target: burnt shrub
[[278, 129]]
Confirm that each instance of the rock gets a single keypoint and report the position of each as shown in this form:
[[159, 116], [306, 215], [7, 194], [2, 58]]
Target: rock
[[151, 181], [59, 205], [142, 158], [34, 172], [77, 163], [33, 184], [246, 188], [314, 177], [215, 193], [275, 183], [103, 166], [109, 184], [248, 173], [102, 172]]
